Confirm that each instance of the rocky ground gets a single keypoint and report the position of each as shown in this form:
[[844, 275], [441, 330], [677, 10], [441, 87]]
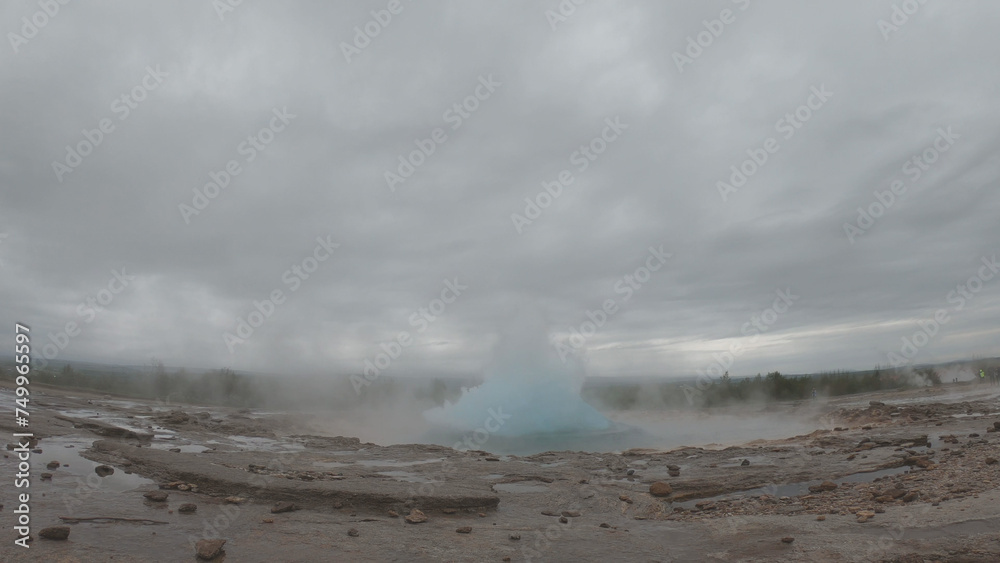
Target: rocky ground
[[902, 476]]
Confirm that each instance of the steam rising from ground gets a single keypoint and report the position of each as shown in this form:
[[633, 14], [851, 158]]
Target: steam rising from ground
[[528, 390]]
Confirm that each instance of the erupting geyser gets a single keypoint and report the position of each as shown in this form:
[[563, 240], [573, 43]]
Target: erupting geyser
[[528, 391]]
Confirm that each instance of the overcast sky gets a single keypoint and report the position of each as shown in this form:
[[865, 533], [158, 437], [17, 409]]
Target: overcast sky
[[180, 87]]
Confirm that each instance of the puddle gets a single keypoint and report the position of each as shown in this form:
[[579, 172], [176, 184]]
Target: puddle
[[394, 463], [329, 464], [257, 444], [80, 470], [519, 488], [185, 449], [797, 489], [406, 476]]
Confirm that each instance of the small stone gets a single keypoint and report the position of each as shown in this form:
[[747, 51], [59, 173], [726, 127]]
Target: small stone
[[283, 506], [787, 539], [482, 515], [353, 532], [549, 513], [175, 450], [416, 517], [911, 496], [823, 487], [52, 465], [55, 533], [268, 520], [865, 515], [393, 514], [183, 487], [449, 510], [104, 470], [571, 513], [492, 459], [625, 498], [235, 500], [46, 476], [515, 537], [156, 496], [209, 549], [991, 461], [745, 462], [604, 525], [660, 489], [187, 508], [630, 472], [563, 520], [464, 530], [820, 518]]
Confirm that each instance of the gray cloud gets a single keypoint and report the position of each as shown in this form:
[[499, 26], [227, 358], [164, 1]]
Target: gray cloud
[[656, 184]]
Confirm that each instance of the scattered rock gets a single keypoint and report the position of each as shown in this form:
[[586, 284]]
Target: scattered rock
[[175, 450], [283, 506], [482, 515], [991, 461], [911, 496], [156, 496], [464, 530], [416, 517], [46, 476], [571, 513], [787, 539], [492, 459], [549, 513], [353, 532], [515, 537], [449, 510], [55, 533], [268, 520], [865, 515], [660, 489], [187, 508], [820, 518], [604, 525], [209, 549], [393, 514], [625, 498], [235, 500], [563, 520], [52, 465], [183, 487], [630, 472], [823, 487], [104, 470], [745, 462]]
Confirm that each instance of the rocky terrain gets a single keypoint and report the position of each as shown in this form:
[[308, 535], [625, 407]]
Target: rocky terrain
[[901, 476]]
